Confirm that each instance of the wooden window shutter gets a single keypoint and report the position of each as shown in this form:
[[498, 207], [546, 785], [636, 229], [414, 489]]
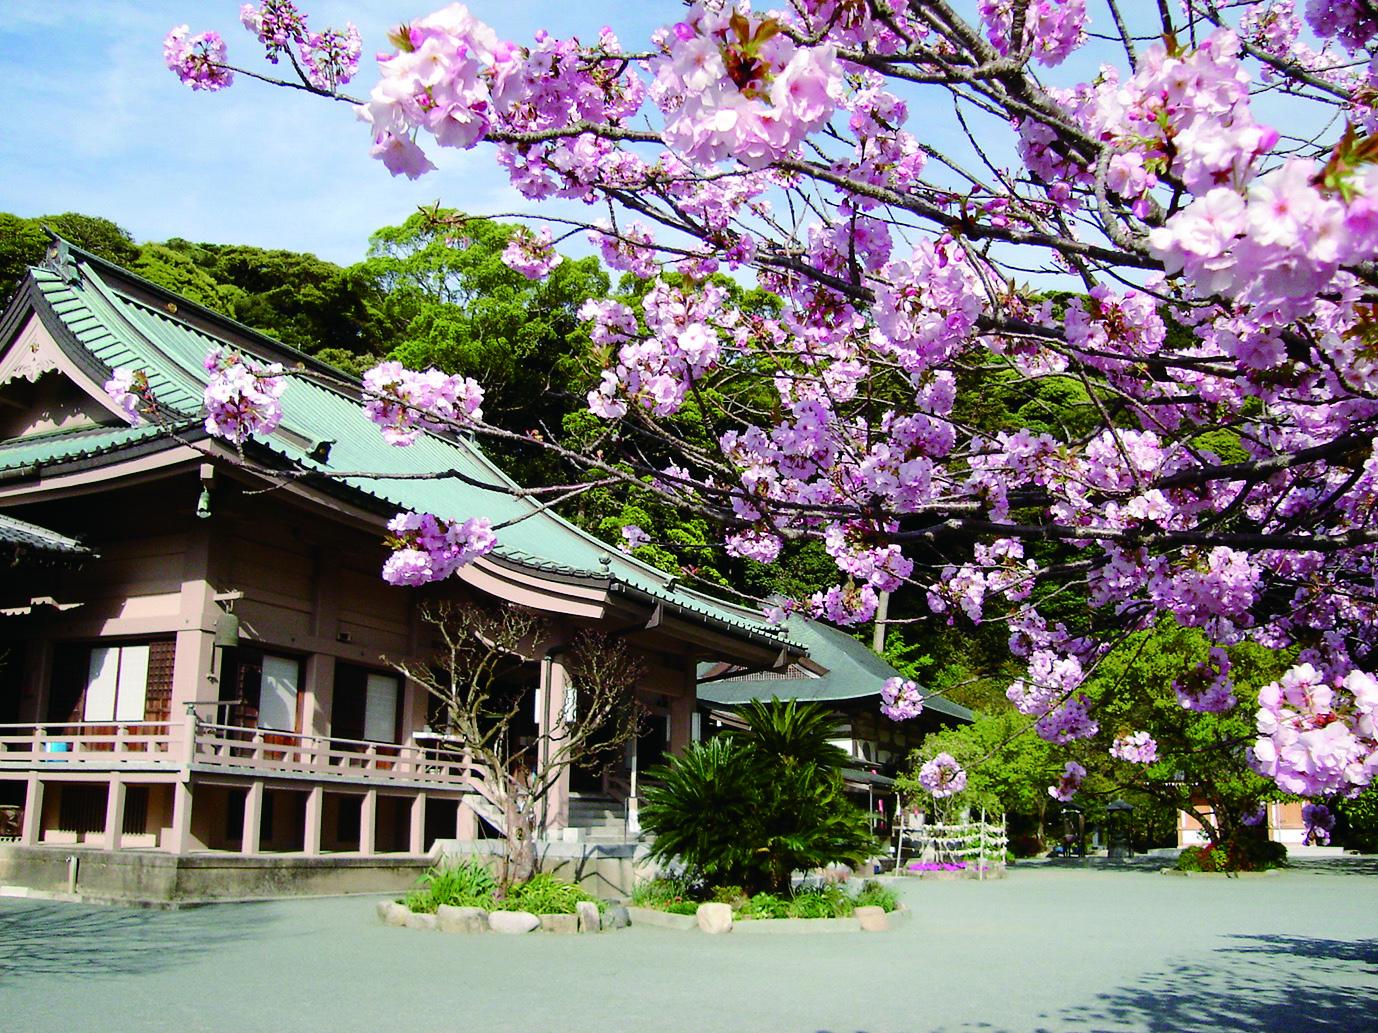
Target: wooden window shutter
[[158, 696]]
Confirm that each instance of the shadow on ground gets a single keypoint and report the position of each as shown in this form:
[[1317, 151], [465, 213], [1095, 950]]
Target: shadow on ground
[[1258, 984], [73, 939]]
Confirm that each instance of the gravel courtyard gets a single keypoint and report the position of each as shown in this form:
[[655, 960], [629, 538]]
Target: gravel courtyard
[[1046, 949]]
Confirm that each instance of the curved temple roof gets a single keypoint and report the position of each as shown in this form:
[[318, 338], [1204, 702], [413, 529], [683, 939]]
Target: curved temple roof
[[853, 671]]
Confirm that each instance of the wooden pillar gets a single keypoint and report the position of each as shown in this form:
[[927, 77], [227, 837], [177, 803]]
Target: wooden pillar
[[682, 712], [317, 699], [368, 823], [180, 840], [416, 840], [315, 804], [466, 821], [32, 829], [251, 842], [552, 696], [114, 813]]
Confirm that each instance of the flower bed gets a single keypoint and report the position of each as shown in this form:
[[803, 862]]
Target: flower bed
[[464, 898], [833, 901]]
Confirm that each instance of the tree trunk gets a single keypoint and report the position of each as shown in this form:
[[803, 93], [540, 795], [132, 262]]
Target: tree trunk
[[519, 858]]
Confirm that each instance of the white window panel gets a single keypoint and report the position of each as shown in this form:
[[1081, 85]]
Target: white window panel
[[380, 709], [133, 682], [102, 684], [277, 700]]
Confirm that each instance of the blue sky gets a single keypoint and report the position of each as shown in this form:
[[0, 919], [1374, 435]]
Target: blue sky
[[96, 124]]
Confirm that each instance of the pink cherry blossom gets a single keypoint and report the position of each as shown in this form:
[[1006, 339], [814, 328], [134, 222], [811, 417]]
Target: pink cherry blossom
[[199, 61], [531, 254], [943, 776], [427, 549], [403, 403], [1135, 747], [128, 388], [242, 395], [1069, 783], [900, 699]]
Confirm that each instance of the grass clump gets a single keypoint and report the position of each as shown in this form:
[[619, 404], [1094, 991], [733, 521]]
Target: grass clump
[[469, 884], [873, 894]]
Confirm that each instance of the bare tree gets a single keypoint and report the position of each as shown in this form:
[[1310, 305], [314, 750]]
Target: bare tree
[[475, 678]]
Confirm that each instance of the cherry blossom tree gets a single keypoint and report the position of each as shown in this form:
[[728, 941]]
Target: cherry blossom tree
[[1171, 206]]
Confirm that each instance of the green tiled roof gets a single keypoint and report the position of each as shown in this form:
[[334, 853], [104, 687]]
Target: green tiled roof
[[853, 672], [20, 534], [69, 445], [123, 332]]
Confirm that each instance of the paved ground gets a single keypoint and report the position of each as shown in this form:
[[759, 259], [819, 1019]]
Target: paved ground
[[1044, 950]]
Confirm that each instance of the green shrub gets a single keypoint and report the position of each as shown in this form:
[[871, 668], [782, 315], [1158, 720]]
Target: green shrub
[[545, 895], [682, 907], [1196, 859], [1245, 853], [811, 904], [467, 884], [754, 806], [764, 905], [734, 895], [873, 894], [420, 901], [660, 892]]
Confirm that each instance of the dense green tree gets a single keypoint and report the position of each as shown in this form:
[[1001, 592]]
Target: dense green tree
[[1008, 770], [1201, 763], [750, 807], [24, 241]]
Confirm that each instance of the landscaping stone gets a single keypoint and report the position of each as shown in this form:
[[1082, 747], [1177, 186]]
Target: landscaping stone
[[661, 919], [415, 921], [589, 919], [513, 922], [560, 923], [393, 913], [461, 919], [714, 918], [615, 917], [873, 919]]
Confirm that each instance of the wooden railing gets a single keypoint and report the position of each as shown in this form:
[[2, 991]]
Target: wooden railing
[[146, 745], [266, 751], [87, 745]]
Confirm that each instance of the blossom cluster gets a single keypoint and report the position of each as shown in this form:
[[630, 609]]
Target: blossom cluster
[[943, 776], [734, 86], [128, 388], [242, 395], [1069, 782], [900, 699], [403, 402], [199, 61], [1318, 736], [1048, 693], [1052, 28], [326, 59], [426, 548], [684, 343], [1135, 747], [532, 254], [1319, 822], [1207, 686]]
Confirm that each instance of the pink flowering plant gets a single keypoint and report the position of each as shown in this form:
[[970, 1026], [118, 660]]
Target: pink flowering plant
[[1182, 240]]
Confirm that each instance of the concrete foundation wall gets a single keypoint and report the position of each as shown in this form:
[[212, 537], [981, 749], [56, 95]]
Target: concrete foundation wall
[[151, 878]]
